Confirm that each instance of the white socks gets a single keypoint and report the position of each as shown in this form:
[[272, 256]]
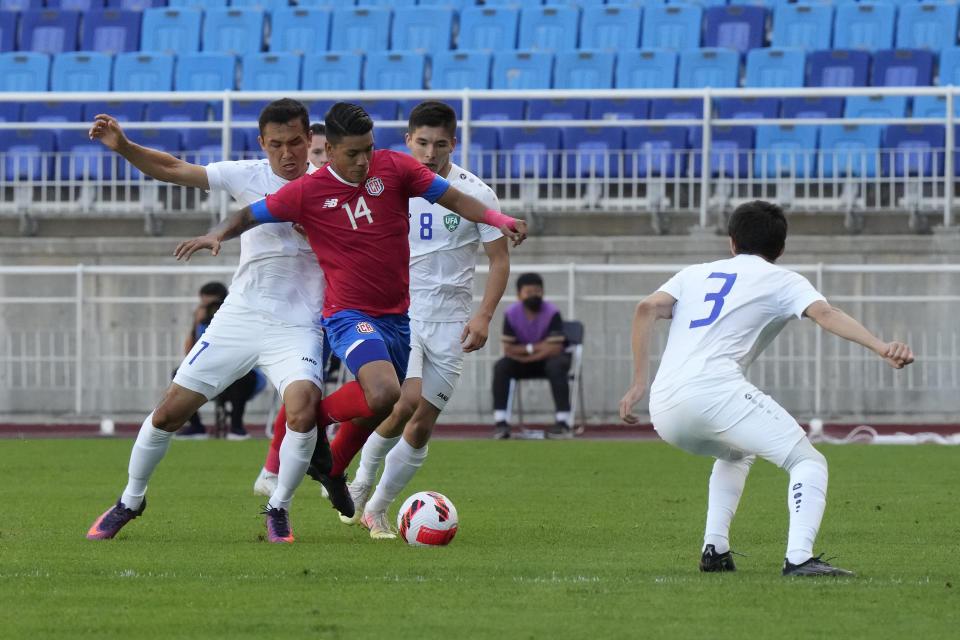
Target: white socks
[[148, 450], [806, 500], [726, 487], [401, 465], [500, 415], [374, 451], [564, 417], [295, 453]]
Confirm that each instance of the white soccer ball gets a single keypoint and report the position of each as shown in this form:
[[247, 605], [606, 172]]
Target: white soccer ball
[[427, 518]]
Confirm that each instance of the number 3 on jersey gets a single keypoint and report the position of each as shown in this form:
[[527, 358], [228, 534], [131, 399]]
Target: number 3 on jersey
[[716, 299], [360, 212]]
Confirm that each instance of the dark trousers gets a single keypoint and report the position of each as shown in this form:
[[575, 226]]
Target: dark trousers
[[554, 369], [234, 398]]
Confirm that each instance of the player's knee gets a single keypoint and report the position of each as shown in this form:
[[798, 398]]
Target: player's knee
[[804, 451], [382, 398], [302, 418]]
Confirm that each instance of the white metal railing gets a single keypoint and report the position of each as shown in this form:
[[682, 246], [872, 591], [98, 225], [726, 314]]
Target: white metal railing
[[104, 339], [697, 190]]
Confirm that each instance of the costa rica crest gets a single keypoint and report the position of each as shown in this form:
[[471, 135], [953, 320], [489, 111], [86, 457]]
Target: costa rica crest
[[374, 186], [451, 221], [365, 327]]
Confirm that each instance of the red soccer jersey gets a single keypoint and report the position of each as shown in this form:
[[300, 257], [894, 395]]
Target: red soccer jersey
[[359, 231]]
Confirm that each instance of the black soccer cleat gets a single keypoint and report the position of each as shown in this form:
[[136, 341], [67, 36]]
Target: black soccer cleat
[[712, 562], [815, 567], [321, 462], [337, 489]]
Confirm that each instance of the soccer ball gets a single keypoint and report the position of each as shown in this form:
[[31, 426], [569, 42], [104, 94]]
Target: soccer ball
[[427, 518]]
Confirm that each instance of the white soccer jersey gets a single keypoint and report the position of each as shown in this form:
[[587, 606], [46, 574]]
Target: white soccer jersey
[[726, 313], [443, 252], [278, 271]]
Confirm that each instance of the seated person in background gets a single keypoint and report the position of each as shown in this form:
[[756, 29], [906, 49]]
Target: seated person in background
[[533, 347], [210, 292]]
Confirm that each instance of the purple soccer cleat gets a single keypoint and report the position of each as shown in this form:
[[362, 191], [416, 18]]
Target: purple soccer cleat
[[108, 524], [278, 524]]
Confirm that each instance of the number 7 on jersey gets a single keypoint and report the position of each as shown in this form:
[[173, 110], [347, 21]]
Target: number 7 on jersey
[[716, 298]]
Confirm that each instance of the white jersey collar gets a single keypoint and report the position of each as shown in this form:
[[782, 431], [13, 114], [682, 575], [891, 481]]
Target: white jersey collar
[[334, 174]]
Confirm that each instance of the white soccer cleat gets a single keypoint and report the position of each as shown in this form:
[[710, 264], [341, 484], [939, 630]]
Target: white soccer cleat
[[379, 525], [359, 493], [265, 484]]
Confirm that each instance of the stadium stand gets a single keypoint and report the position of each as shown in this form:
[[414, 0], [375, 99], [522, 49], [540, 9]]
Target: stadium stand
[[49, 31], [656, 151], [136, 71], [529, 152], [235, 31], [29, 154], [646, 69], [916, 150], [489, 109], [902, 68], [110, 31], [299, 30], [729, 151], [174, 31], [610, 27], [927, 26], [671, 27], [522, 70], [20, 5], [867, 26], [837, 68], [812, 107], [205, 71], [8, 30], [333, 71], [595, 151], [875, 107], [388, 70], [933, 107], [360, 29], [747, 108], [557, 109], [488, 28], [554, 28], [802, 26], [785, 150], [461, 69], [772, 67], [10, 112], [24, 71], [735, 27], [176, 111], [56, 112], [270, 71], [708, 67], [850, 150], [423, 32], [618, 109], [122, 110], [80, 71], [484, 142], [579, 69]]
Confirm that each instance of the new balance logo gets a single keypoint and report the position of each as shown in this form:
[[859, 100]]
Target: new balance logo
[[330, 202]]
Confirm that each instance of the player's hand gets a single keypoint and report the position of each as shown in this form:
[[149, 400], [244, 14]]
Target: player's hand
[[897, 355], [474, 335], [107, 130], [518, 236], [633, 395], [189, 247]]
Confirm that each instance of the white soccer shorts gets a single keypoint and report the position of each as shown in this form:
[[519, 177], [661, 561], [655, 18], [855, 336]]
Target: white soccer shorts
[[730, 425], [240, 338], [436, 356]]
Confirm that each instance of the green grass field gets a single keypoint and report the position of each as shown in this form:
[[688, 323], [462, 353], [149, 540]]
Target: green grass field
[[556, 540]]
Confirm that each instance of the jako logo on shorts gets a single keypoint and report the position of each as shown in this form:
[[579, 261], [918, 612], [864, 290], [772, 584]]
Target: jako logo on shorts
[[374, 186], [364, 327]]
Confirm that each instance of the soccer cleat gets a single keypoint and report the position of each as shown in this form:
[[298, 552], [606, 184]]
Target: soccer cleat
[[560, 431], [815, 567], [337, 491], [193, 431], [238, 433], [358, 495], [265, 484], [108, 524], [379, 525], [501, 431], [278, 524], [711, 561]]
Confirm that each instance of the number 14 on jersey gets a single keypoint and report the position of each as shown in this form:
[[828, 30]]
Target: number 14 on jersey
[[360, 212]]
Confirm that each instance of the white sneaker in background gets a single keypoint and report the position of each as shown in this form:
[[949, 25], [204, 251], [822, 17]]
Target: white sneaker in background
[[265, 484]]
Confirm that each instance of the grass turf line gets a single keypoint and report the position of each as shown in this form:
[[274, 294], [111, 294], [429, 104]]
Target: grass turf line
[[556, 539]]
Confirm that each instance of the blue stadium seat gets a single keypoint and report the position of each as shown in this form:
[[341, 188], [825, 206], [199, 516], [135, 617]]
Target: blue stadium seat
[[206, 145], [83, 159], [581, 69], [837, 68], [618, 109], [236, 31], [110, 31], [461, 69], [28, 154], [494, 109], [557, 109], [813, 107], [646, 69], [385, 3], [174, 31], [676, 108], [785, 150], [735, 27], [656, 151], [161, 139], [586, 4], [488, 28], [24, 71], [611, 27], [775, 68], [902, 68], [849, 150], [530, 152], [176, 111], [522, 70], [333, 71], [484, 143], [380, 109], [49, 31], [8, 30], [271, 72], [203, 5], [135, 5], [927, 26], [205, 71], [705, 67], [875, 107], [864, 26], [390, 70], [458, 5], [80, 71], [747, 108], [136, 71], [299, 30], [949, 67], [264, 5], [804, 26], [595, 151], [549, 28], [122, 110], [423, 31], [406, 106], [361, 29], [241, 110], [671, 27], [393, 138], [10, 111], [915, 150], [55, 112], [933, 107], [20, 5], [730, 151]]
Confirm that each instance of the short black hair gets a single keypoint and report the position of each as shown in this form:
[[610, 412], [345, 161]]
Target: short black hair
[[283, 111], [346, 119], [758, 228], [318, 129], [529, 279], [217, 289], [433, 114]]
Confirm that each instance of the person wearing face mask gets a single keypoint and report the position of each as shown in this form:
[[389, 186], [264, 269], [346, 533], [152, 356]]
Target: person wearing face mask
[[533, 347]]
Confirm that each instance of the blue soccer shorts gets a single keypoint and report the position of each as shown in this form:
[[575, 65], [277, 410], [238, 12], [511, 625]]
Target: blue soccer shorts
[[357, 339]]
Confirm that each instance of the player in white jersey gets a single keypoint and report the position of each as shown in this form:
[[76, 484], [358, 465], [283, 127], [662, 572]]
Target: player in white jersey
[[722, 316], [268, 320], [443, 257]]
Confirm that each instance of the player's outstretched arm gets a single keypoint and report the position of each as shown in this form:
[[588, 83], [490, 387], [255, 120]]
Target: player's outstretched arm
[[476, 211], [834, 320], [156, 164], [229, 228], [656, 306], [475, 334]]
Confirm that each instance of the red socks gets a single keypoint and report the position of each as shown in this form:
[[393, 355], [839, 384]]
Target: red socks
[[273, 455], [349, 440], [344, 404]]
